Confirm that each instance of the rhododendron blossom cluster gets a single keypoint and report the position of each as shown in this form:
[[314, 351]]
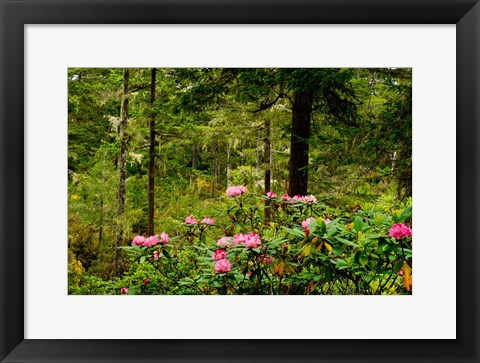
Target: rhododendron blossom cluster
[[219, 255], [208, 220], [305, 198], [124, 290], [235, 191], [271, 195], [285, 198], [150, 241], [223, 266], [164, 238], [138, 240], [252, 240], [309, 199], [399, 231], [225, 242], [190, 220], [239, 239]]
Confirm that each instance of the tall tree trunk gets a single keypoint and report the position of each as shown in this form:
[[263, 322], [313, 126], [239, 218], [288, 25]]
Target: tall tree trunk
[[228, 164], [257, 158], [301, 115], [272, 152], [100, 231], [122, 161], [151, 161], [266, 161]]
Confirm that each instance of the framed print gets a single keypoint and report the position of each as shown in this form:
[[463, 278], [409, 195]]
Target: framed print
[[46, 316]]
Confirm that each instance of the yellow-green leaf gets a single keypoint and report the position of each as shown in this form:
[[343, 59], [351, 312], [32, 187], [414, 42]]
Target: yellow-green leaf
[[306, 251], [407, 276]]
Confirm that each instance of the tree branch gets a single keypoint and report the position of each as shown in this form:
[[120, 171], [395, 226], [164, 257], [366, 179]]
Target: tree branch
[[133, 90], [264, 105]]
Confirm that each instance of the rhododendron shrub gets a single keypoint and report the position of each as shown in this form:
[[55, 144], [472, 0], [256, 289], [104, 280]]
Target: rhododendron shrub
[[304, 247]]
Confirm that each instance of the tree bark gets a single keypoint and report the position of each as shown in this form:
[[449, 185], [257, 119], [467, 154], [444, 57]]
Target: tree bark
[[266, 161], [257, 158], [151, 162], [301, 115], [100, 231], [228, 164], [122, 161]]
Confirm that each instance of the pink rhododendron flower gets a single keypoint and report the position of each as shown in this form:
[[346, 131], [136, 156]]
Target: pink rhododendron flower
[[271, 195], [309, 199], [164, 238], [151, 241], [223, 266], [305, 198], [138, 240], [208, 220], [307, 222], [235, 191], [146, 281], [252, 240], [225, 242], [219, 255], [124, 290], [399, 231], [327, 221], [286, 197], [190, 220], [156, 255], [239, 239]]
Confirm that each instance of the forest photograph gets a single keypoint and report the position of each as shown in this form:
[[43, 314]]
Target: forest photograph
[[239, 181]]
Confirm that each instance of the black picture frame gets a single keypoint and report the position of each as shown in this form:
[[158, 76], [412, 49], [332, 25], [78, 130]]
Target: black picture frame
[[15, 14]]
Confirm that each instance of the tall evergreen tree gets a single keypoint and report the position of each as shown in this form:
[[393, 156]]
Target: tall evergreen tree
[[122, 161], [151, 160]]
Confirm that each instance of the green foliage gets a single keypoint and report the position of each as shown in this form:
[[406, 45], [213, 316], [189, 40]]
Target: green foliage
[[350, 254]]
